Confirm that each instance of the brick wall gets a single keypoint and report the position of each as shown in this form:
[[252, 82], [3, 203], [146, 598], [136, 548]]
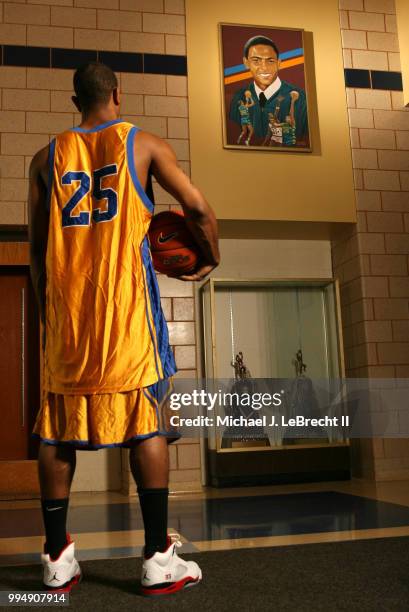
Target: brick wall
[[36, 104], [371, 260]]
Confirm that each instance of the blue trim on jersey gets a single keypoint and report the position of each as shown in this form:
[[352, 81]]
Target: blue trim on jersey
[[157, 394], [85, 445], [160, 390], [149, 398], [51, 156], [147, 316], [161, 327], [131, 167], [154, 404], [97, 128]]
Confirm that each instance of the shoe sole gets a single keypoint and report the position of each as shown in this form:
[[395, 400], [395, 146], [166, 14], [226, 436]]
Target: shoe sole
[[175, 587]]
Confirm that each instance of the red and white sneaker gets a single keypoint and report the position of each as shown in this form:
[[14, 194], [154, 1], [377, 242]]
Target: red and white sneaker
[[63, 573], [165, 572]]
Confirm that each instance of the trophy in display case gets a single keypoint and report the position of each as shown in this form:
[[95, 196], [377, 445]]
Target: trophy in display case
[[234, 436], [271, 326], [301, 399]]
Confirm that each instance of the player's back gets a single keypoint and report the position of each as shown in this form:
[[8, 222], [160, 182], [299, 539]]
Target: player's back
[[105, 330]]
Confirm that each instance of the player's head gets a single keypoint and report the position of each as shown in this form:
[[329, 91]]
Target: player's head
[[96, 87], [260, 56]]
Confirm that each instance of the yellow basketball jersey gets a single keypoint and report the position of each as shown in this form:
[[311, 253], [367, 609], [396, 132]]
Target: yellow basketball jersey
[[105, 329]]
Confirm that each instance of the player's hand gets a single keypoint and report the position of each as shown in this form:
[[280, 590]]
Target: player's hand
[[198, 274]]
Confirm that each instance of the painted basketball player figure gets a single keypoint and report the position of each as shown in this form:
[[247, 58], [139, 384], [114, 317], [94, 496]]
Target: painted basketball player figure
[[247, 129], [283, 132], [107, 359]]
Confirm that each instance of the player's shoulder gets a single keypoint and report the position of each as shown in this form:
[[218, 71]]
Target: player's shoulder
[[149, 141], [40, 160]]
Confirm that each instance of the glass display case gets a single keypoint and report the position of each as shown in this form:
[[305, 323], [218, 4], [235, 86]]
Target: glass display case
[[279, 329]]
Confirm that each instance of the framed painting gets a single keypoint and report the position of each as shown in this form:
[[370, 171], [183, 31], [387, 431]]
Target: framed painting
[[264, 93]]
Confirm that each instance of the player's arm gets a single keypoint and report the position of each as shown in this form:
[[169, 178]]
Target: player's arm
[[199, 216], [38, 225]]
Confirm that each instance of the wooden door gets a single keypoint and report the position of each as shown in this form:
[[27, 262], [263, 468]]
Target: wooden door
[[17, 351]]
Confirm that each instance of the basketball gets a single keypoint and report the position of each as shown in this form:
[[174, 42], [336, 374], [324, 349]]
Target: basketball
[[173, 248]]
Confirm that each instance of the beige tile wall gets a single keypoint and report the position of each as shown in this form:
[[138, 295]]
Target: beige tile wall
[[35, 105], [372, 260]]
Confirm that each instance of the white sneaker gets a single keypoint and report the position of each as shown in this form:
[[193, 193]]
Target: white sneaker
[[165, 572], [62, 573]]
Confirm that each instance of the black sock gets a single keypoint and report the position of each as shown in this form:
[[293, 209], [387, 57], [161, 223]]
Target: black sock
[[154, 507], [55, 517]]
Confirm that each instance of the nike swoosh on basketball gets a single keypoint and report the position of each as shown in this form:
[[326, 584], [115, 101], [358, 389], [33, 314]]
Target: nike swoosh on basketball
[[162, 238]]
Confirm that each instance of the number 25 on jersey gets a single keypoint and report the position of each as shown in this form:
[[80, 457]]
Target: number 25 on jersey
[[98, 193]]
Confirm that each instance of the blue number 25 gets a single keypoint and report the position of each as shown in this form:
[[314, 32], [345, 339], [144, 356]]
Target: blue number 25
[[109, 194]]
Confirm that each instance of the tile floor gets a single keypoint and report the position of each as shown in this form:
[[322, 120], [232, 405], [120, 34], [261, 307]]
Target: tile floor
[[107, 525]]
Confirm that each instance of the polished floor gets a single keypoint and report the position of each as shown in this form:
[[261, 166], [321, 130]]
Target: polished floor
[[108, 525]]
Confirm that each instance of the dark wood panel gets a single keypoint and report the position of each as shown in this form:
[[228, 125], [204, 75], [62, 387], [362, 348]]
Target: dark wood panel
[[13, 438], [19, 364], [14, 253], [19, 479], [288, 465]]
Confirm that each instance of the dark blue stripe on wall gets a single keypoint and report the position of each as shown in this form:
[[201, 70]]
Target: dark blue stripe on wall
[[386, 80], [120, 61], [373, 79], [36, 57], [164, 64], [357, 78], [155, 63], [71, 58]]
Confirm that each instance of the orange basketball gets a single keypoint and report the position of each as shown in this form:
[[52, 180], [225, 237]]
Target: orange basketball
[[173, 248]]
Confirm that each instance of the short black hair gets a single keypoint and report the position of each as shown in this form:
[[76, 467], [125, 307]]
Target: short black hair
[[259, 40], [94, 83]]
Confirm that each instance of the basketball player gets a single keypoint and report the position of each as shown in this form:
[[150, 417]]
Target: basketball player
[[246, 127], [107, 359]]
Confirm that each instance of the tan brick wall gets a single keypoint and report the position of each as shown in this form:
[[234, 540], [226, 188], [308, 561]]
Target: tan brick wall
[[36, 104], [371, 260]]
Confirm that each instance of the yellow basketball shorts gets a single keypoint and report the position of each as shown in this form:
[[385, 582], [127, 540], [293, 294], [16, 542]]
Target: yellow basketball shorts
[[90, 422]]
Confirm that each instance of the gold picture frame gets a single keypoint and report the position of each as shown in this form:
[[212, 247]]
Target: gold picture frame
[[281, 120]]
